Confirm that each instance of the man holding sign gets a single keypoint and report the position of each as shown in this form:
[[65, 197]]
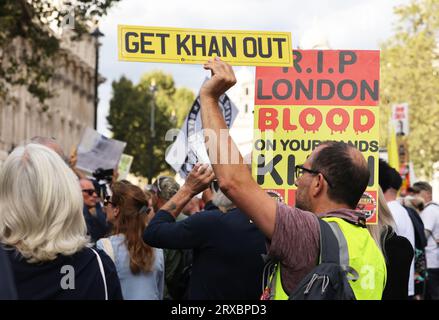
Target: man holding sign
[[329, 183]]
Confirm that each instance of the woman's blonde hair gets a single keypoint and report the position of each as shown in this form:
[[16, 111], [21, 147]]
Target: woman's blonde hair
[[40, 205], [380, 231]]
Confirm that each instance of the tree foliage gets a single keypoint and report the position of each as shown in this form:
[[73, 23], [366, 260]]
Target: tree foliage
[[410, 73], [130, 116], [34, 22]]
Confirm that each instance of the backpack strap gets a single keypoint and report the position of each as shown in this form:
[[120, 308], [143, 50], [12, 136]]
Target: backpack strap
[[431, 203], [329, 246], [108, 247], [101, 268], [430, 234], [352, 274]]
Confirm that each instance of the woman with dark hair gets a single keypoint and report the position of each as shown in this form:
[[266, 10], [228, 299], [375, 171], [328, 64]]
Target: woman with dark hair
[[140, 267]]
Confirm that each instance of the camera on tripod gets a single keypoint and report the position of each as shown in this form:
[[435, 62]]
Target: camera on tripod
[[101, 174]]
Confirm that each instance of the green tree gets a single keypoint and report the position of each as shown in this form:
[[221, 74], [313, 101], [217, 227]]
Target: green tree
[[130, 116], [32, 21], [410, 73]]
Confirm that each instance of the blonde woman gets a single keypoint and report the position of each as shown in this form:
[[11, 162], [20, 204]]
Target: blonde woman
[[43, 230], [397, 251]]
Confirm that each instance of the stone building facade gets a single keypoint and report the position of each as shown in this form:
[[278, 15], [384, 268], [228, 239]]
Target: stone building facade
[[243, 95], [70, 110]]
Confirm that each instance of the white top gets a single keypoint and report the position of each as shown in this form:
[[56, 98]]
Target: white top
[[142, 286], [430, 218], [404, 228]]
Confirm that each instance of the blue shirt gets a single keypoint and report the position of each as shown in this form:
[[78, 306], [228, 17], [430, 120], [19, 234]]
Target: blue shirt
[[141, 286]]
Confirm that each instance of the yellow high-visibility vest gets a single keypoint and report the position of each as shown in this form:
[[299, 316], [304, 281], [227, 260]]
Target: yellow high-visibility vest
[[362, 255]]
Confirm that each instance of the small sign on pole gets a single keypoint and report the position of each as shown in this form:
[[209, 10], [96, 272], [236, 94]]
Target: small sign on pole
[[400, 118]]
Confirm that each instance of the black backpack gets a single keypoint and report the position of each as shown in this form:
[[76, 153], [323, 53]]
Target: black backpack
[[328, 280], [418, 226]]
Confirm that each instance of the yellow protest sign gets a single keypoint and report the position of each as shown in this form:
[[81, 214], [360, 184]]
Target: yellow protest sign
[[196, 46], [326, 95], [288, 135]]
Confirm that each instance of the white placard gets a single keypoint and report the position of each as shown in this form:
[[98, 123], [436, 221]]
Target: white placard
[[97, 151], [189, 148]]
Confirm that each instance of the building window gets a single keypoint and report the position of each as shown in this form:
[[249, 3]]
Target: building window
[[246, 108], [246, 91]]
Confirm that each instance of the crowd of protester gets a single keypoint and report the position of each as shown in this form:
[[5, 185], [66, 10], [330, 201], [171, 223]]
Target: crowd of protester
[[61, 240]]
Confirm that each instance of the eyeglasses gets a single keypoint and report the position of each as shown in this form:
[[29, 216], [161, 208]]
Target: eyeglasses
[[90, 192], [300, 170], [107, 201], [214, 185]]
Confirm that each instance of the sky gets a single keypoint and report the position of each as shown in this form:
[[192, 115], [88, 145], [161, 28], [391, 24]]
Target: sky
[[344, 24]]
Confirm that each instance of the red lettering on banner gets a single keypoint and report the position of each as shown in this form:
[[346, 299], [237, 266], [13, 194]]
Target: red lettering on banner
[[358, 116], [322, 77], [267, 119], [318, 119], [311, 120], [341, 113], [288, 126]]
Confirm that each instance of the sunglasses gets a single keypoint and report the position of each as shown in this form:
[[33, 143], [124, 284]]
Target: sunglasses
[[90, 192], [214, 185], [107, 201]]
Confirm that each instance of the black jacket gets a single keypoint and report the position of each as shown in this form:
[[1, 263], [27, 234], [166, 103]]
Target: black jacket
[[43, 281], [7, 286], [399, 254], [227, 256], [418, 226]]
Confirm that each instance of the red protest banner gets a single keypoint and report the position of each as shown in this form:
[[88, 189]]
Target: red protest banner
[[322, 77]]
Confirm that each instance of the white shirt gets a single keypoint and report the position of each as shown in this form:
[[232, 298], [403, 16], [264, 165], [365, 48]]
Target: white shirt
[[404, 228], [430, 218]]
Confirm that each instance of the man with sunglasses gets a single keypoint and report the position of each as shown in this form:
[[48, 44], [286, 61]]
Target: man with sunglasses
[[94, 216], [329, 185]]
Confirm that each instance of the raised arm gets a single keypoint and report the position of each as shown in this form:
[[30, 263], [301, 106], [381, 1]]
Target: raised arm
[[197, 181], [234, 179], [163, 231]]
